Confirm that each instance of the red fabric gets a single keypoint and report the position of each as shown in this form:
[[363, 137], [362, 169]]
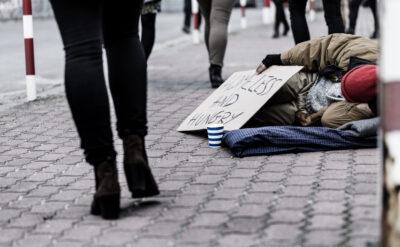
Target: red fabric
[[359, 85]]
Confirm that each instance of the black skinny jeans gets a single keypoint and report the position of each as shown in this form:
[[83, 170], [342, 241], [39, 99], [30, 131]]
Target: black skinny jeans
[[148, 33], [333, 18], [85, 26], [354, 6], [280, 16]]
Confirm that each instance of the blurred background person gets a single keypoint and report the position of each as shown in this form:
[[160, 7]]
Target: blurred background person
[[333, 18], [86, 26], [216, 14], [354, 6], [280, 17], [149, 13], [187, 11]]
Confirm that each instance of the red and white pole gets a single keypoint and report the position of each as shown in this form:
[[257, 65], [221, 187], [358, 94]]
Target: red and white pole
[[390, 127], [196, 22], [266, 12], [29, 51], [243, 20]]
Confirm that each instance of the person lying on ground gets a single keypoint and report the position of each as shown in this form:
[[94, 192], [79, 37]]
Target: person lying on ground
[[314, 94]]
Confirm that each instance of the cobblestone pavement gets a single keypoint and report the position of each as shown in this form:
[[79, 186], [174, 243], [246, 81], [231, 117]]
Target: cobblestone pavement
[[208, 197]]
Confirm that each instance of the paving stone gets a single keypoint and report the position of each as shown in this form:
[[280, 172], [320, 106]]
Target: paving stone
[[82, 232], [8, 235], [280, 231], [132, 223], [49, 207], [293, 202], [236, 240], [8, 214], [25, 202], [6, 198], [327, 222], [7, 182], [335, 208], [208, 179], [228, 193], [197, 235], [297, 191], [365, 213], [260, 198], [286, 216], [43, 191], [149, 242], [243, 225], [220, 205], [265, 187], [209, 220], [115, 238], [270, 176], [26, 220], [251, 210], [54, 226], [163, 229], [324, 238]]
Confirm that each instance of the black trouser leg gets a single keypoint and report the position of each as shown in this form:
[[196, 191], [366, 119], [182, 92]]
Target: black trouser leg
[[80, 27], [127, 67], [298, 20], [279, 15], [354, 6], [148, 32], [374, 10], [333, 16], [187, 10]]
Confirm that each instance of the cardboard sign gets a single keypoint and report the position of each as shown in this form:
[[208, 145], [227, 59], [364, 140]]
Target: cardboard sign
[[238, 98]]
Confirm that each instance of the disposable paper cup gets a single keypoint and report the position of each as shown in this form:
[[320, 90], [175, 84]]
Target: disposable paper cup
[[215, 134]]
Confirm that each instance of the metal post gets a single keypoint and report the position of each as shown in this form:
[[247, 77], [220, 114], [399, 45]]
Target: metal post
[[390, 128], [29, 50], [196, 21], [243, 20]]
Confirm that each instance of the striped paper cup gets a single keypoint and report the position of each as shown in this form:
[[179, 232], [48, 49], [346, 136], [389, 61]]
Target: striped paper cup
[[215, 133]]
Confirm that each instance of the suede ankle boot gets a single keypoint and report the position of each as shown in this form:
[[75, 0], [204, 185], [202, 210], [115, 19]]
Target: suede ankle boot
[[106, 201], [95, 207], [215, 75], [138, 174]]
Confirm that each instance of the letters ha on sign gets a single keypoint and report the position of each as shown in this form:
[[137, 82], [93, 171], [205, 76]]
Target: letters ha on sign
[[238, 98]]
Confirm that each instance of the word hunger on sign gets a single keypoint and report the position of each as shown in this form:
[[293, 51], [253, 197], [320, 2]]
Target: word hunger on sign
[[238, 98]]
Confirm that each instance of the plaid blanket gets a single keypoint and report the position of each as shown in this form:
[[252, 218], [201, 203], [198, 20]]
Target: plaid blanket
[[293, 139]]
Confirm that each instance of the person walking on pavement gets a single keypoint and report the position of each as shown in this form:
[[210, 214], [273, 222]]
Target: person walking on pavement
[[298, 20], [85, 26], [149, 13], [280, 17], [187, 11], [354, 6], [216, 14]]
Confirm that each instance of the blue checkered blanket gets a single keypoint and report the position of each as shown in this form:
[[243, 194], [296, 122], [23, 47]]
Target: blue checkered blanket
[[293, 139]]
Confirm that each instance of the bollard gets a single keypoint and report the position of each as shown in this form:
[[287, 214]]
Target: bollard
[[243, 21], [29, 51], [266, 12], [389, 89], [196, 17]]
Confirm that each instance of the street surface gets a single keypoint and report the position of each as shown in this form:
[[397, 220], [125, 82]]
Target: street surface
[[208, 198]]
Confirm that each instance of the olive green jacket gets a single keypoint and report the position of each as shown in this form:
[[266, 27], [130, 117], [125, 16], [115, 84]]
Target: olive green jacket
[[335, 49]]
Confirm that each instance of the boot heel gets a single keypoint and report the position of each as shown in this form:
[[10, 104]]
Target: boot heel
[[109, 206], [95, 207], [134, 176], [141, 182]]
